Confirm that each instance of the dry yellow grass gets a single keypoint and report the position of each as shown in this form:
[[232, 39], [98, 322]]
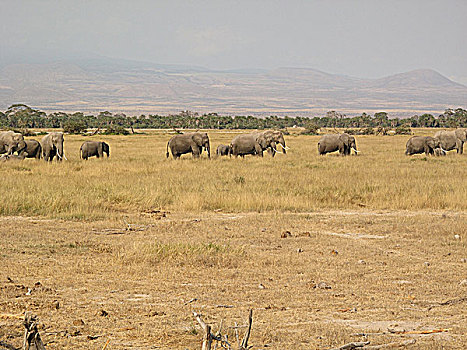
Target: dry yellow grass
[[138, 177], [391, 219]]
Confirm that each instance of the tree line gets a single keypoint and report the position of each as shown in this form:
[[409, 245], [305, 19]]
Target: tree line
[[21, 116]]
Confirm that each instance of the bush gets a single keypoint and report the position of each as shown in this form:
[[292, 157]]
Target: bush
[[366, 131], [310, 129], [115, 130], [74, 127], [403, 130], [351, 131]]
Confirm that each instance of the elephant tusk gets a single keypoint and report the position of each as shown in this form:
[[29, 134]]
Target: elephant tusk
[[58, 155], [64, 156], [286, 148], [356, 150], [275, 150]]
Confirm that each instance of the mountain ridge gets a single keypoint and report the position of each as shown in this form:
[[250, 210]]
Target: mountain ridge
[[143, 87]]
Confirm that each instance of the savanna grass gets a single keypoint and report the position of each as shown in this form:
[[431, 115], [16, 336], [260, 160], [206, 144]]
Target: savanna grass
[[138, 177]]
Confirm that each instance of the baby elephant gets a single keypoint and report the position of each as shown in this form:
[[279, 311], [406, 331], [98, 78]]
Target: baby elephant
[[223, 150], [94, 148]]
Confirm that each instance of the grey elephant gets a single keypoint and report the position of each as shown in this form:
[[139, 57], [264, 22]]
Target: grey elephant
[[255, 144], [223, 150], [337, 142], [52, 145], [420, 144], [94, 149], [11, 142], [275, 138], [450, 140], [33, 149], [192, 142], [439, 152]]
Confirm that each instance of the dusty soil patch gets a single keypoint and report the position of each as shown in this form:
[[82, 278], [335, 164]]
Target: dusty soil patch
[[139, 288]]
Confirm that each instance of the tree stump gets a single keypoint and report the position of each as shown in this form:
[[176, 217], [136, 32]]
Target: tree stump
[[32, 339]]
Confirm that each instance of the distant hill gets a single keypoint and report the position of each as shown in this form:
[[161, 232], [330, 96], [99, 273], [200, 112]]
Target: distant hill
[[92, 85]]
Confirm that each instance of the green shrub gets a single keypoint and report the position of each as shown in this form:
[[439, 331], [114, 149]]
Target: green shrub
[[74, 126], [310, 129], [366, 131], [115, 130], [403, 130]]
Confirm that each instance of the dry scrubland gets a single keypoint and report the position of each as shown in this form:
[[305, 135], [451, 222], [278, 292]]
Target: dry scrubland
[[378, 228]]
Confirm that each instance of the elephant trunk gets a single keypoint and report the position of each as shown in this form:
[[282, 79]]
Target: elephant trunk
[[208, 149], [167, 151], [275, 150], [60, 154], [284, 147], [21, 148], [282, 144]]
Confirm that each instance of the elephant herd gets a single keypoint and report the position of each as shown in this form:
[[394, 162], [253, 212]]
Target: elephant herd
[[255, 143], [439, 144], [50, 146]]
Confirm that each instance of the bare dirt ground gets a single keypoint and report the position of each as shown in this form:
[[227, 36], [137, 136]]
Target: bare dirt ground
[[336, 277]]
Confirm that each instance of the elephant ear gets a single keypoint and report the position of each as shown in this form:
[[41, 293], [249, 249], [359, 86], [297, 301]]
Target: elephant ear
[[344, 138], [197, 138], [263, 141], [48, 141]]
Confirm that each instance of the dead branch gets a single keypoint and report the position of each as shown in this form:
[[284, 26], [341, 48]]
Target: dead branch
[[246, 337], [351, 346], [208, 336], [448, 302], [365, 346], [95, 132], [32, 339], [390, 345]]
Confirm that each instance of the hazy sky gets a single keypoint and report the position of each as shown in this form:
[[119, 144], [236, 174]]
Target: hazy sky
[[364, 38]]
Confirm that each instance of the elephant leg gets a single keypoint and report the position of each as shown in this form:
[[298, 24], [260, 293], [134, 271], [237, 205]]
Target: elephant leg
[[195, 151], [459, 146]]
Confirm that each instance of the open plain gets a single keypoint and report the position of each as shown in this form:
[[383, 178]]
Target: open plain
[[325, 249]]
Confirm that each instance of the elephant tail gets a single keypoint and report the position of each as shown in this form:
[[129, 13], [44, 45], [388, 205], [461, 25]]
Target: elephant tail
[[167, 150]]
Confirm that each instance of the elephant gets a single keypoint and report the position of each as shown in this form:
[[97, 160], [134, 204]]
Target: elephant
[[274, 138], [439, 152], [254, 144], [33, 149], [189, 142], [223, 150], [11, 142], [450, 140], [420, 144], [52, 145], [94, 148], [337, 142]]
